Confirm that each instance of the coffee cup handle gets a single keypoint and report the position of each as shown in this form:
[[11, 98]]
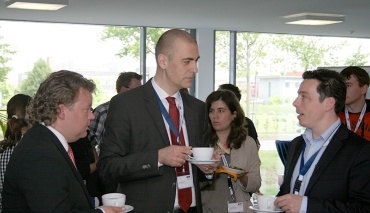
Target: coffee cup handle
[[268, 204]]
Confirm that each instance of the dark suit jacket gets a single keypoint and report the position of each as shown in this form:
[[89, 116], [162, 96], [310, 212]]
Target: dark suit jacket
[[84, 156], [134, 132], [341, 181], [41, 177]]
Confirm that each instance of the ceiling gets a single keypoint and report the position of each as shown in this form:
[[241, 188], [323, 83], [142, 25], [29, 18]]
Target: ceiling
[[237, 15]]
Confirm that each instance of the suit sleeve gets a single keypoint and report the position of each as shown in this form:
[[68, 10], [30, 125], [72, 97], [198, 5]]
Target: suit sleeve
[[37, 184], [253, 167], [358, 191], [128, 151]]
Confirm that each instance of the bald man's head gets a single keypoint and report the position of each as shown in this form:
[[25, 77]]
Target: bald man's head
[[166, 43]]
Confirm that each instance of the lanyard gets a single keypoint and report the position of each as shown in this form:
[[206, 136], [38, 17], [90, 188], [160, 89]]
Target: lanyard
[[303, 169], [305, 166], [229, 183], [359, 119], [169, 120]]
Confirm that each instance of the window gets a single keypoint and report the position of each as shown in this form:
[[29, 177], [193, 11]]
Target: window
[[277, 64]]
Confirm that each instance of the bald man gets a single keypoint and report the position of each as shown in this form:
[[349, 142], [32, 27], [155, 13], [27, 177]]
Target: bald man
[[137, 149]]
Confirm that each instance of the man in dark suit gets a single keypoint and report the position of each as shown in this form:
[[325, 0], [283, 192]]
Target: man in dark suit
[[328, 167], [136, 149], [41, 175]]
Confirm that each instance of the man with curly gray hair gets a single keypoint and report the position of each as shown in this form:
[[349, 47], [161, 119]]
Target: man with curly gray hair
[[41, 175]]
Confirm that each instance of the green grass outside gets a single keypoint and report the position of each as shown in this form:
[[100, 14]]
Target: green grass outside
[[271, 166], [274, 119]]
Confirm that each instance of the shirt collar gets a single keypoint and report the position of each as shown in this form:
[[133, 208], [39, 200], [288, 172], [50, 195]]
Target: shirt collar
[[61, 138], [307, 135], [163, 94]]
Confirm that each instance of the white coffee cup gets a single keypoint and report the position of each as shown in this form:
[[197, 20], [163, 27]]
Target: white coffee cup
[[266, 202], [202, 153], [114, 199]]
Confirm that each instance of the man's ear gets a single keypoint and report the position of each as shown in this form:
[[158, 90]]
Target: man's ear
[[329, 103], [162, 61], [61, 111], [364, 89]]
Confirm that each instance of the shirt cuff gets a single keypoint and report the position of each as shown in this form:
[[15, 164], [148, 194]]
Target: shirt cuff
[[100, 209], [303, 208]]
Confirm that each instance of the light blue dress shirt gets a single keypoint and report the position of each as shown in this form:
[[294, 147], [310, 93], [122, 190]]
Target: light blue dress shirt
[[312, 145]]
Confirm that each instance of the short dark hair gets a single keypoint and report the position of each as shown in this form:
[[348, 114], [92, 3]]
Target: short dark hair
[[61, 87], [331, 84], [361, 75], [168, 39], [124, 79], [232, 88]]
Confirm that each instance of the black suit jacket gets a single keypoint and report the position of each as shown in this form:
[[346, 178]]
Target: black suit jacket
[[41, 177], [134, 132], [84, 156], [341, 180]]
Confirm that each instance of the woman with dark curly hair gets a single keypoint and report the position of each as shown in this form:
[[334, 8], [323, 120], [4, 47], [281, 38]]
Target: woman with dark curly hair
[[16, 127], [238, 151]]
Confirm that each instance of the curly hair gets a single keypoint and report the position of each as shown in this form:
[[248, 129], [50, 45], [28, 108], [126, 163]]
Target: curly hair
[[61, 87], [331, 84], [238, 132], [16, 110]]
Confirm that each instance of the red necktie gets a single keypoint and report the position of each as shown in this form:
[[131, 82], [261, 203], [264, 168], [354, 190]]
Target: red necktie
[[184, 195], [70, 154]]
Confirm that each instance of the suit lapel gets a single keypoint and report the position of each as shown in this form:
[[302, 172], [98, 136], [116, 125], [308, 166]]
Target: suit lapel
[[63, 152], [154, 111], [330, 152], [190, 119], [294, 153]]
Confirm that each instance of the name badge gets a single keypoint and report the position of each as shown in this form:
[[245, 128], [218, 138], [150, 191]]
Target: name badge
[[184, 181], [235, 207]]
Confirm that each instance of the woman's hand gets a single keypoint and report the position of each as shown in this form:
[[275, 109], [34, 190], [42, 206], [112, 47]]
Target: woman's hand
[[243, 177]]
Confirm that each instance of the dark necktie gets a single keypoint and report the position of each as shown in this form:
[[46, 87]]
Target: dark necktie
[[184, 195]]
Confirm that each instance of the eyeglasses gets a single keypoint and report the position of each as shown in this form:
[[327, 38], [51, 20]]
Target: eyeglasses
[[127, 87]]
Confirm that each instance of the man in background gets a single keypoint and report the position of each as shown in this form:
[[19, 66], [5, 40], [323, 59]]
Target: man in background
[[327, 167], [356, 112], [41, 175], [126, 81]]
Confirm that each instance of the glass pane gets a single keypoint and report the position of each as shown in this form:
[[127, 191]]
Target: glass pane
[[97, 52], [269, 69], [222, 54]]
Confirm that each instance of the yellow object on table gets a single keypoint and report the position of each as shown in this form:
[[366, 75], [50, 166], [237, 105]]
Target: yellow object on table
[[233, 174]]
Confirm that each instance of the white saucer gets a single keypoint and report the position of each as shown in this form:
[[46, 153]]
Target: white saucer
[[128, 208], [233, 170], [194, 161], [255, 208]]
